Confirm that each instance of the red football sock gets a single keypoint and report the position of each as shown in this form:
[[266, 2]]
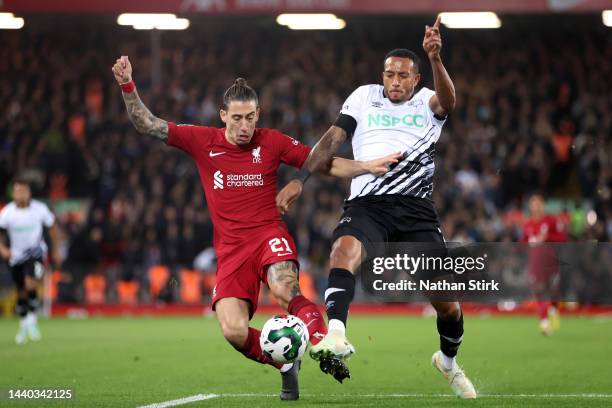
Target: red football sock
[[311, 316], [543, 310], [252, 349]]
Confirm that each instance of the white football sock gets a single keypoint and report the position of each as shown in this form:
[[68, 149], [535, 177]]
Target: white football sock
[[447, 362], [336, 325], [30, 319]]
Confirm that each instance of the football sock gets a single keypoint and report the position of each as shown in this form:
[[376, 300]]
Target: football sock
[[252, 349], [451, 335], [337, 325], [22, 307], [447, 362], [309, 313], [338, 296], [32, 300]]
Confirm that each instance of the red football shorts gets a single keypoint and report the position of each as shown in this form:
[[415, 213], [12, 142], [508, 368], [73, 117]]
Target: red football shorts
[[243, 266]]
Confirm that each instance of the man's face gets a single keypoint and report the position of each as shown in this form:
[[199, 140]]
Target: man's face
[[400, 78], [21, 194], [536, 206], [240, 119]]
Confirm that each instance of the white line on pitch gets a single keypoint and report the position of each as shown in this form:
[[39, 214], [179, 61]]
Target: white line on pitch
[[425, 395], [202, 397], [181, 401]]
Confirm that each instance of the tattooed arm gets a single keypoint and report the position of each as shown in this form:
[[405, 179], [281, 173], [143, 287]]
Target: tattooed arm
[[320, 158], [142, 118]]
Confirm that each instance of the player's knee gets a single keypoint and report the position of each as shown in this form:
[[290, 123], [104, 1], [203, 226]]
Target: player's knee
[[235, 332], [285, 291], [449, 310], [345, 254]]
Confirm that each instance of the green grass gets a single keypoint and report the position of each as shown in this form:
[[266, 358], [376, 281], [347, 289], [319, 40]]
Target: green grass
[[126, 362]]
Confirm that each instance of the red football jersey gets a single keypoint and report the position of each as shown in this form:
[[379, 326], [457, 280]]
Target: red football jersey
[[542, 260], [546, 229], [239, 181]]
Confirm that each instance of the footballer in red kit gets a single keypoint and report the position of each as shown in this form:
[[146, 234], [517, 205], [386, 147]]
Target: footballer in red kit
[[542, 262], [237, 166], [240, 186]]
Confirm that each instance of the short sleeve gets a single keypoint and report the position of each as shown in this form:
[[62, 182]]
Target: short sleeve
[[426, 95], [292, 152], [352, 105], [188, 137], [48, 218]]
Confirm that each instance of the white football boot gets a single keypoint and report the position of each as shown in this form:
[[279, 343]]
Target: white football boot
[[458, 381]]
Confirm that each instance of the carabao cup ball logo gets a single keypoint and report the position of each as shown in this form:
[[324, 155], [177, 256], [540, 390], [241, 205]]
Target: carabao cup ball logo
[[284, 338]]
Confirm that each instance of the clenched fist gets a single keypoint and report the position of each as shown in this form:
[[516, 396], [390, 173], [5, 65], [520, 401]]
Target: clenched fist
[[122, 70]]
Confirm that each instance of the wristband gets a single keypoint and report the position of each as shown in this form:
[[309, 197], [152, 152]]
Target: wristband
[[128, 87], [301, 175]]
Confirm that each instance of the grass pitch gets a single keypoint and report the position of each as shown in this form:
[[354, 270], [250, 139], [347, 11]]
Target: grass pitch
[[130, 362]]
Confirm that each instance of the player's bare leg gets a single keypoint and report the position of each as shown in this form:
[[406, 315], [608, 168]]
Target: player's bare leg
[[283, 283], [450, 328], [345, 258], [233, 317]]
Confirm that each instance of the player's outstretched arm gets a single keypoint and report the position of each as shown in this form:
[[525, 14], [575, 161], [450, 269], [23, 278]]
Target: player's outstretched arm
[[341, 167], [142, 118], [320, 158], [443, 102]]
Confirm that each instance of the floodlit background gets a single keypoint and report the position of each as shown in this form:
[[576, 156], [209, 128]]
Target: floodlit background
[[534, 90]]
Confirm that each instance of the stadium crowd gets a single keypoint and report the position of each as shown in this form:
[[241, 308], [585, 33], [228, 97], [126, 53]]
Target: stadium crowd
[[532, 115]]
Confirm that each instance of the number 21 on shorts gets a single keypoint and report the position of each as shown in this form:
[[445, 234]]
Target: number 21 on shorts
[[280, 246]]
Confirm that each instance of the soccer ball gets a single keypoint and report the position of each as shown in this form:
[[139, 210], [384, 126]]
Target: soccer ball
[[284, 338]]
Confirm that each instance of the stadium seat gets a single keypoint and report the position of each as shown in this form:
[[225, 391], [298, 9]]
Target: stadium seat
[[95, 289], [56, 278], [158, 278], [191, 289], [127, 292]]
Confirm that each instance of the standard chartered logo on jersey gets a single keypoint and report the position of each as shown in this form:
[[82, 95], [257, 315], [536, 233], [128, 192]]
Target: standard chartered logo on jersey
[[236, 180], [384, 120]]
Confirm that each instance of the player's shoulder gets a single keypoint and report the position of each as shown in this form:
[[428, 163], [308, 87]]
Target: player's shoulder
[[10, 207], [368, 90], [37, 205], [424, 93], [267, 135]]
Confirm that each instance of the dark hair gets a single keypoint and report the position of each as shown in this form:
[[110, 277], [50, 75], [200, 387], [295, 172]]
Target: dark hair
[[239, 91], [21, 180], [405, 53]]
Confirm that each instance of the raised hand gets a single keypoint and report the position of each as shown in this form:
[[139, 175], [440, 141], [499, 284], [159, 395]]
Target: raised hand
[[432, 42], [122, 70]]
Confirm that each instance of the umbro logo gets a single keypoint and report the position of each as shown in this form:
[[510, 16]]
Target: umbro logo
[[211, 154], [345, 219]]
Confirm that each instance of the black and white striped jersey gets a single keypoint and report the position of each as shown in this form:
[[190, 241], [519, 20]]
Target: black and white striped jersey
[[383, 128]]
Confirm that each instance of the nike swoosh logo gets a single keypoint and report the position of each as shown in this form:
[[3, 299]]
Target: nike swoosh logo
[[288, 253], [211, 154]]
